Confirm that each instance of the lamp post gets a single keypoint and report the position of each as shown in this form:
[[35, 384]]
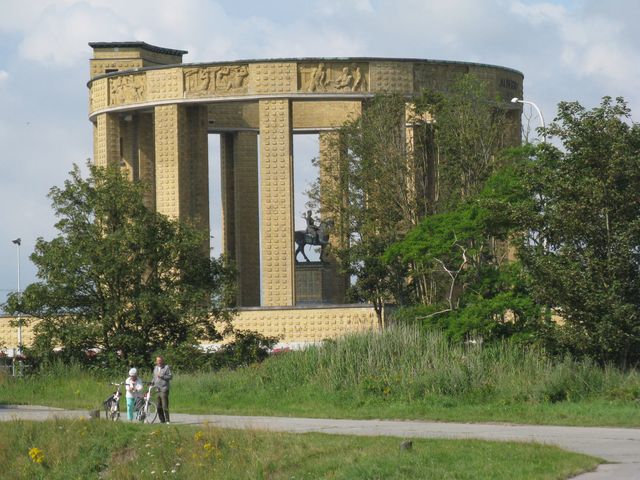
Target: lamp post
[[17, 242], [519, 100]]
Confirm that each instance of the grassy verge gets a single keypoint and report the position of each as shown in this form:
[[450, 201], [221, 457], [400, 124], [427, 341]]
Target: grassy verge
[[85, 449], [401, 373]]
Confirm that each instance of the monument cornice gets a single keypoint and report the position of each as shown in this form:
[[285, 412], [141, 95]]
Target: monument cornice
[[321, 78], [137, 45], [309, 59]]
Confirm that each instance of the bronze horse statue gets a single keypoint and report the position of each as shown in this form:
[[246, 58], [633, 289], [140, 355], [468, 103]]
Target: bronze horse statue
[[314, 236]]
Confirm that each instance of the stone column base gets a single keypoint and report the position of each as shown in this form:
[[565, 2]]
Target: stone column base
[[316, 284]]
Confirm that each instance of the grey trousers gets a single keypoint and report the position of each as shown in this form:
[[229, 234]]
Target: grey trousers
[[163, 406]]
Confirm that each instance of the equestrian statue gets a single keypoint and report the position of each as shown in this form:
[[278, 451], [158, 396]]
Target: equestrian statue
[[314, 235]]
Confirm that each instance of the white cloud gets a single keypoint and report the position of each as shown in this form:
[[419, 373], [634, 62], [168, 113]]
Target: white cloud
[[62, 32], [539, 13], [57, 34], [595, 45], [4, 75], [333, 7]]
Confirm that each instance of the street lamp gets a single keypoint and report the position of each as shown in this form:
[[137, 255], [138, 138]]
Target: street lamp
[[17, 242], [518, 100]]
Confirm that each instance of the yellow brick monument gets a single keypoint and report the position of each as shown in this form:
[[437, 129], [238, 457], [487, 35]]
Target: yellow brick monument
[[152, 114]]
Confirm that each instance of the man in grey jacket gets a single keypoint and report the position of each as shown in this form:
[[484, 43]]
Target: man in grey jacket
[[161, 378]]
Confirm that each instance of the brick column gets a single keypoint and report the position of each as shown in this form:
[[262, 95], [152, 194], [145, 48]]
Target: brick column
[[196, 163], [106, 139], [146, 158], [247, 219], [169, 121], [335, 284], [240, 214], [227, 187], [182, 163], [421, 156], [129, 146], [276, 191]]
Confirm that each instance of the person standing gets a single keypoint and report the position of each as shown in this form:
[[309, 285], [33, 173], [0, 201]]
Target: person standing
[[133, 387], [161, 377]]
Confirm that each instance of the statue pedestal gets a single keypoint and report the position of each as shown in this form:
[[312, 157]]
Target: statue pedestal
[[319, 283]]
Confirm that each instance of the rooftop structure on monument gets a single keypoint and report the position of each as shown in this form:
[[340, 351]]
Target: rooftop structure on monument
[[152, 114]]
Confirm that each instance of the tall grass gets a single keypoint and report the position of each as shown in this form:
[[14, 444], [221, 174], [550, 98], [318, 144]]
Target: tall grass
[[401, 372], [405, 363]]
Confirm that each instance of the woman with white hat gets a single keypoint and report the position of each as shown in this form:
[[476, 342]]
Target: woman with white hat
[[133, 387]]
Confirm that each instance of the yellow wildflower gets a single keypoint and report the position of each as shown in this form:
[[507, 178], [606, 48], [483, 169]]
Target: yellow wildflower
[[37, 455], [198, 436]]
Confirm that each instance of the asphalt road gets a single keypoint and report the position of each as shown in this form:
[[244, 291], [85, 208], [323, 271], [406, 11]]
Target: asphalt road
[[618, 446]]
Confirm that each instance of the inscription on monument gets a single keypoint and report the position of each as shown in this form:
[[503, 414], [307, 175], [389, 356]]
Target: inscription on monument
[[333, 77], [223, 79]]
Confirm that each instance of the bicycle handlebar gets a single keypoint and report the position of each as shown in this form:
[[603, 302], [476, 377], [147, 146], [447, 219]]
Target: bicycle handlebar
[[124, 383]]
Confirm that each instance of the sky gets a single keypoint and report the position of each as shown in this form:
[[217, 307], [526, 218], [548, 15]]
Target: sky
[[567, 50]]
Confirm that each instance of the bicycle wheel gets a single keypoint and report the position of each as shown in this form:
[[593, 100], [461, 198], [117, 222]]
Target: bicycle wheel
[[112, 410], [115, 414], [152, 413], [107, 408]]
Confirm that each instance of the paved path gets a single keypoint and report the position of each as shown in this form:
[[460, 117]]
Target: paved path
[[620, 446]]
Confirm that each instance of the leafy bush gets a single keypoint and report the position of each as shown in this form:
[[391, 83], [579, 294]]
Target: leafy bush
[[119, 277], [580, 235], [498, 306], [246, 348]]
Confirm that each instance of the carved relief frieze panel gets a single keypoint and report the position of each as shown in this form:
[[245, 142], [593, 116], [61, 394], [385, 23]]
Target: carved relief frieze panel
[[125, 89], [218, 80], [328, 77]]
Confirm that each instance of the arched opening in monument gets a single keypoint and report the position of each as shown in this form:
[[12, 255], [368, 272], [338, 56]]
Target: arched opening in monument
[[215, 196], [306, 148], [234, 207], [317, 280], [308, 264]]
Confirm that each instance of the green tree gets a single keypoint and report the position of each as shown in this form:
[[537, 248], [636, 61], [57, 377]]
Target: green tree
[[582, 229], [465, 250], [381, 189], [120, 277], [469, 131], [366, 192]]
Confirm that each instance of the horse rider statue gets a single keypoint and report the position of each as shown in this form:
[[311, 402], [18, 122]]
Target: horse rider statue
[[315, 235]]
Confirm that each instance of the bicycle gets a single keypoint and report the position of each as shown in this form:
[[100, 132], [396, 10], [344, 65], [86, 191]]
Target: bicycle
[[112, 404], [146, 410]]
